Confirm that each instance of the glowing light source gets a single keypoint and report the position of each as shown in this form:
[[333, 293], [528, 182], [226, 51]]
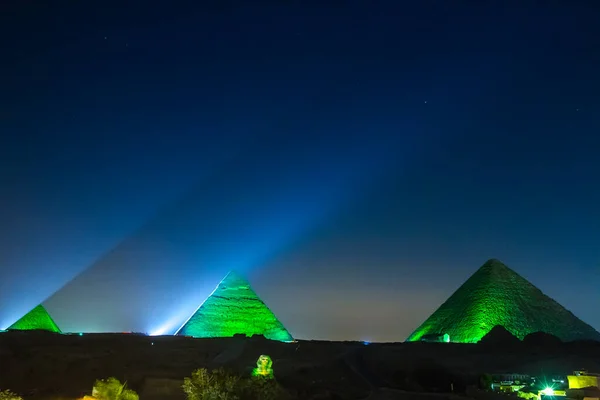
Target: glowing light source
[[168, 327], [160, 331], [548, 391]]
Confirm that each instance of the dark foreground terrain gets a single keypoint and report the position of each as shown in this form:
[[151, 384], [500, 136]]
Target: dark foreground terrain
[[41, 365]]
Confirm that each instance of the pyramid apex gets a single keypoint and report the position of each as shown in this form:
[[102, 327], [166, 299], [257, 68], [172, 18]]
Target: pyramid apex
[[234, 278], [495, 266], [494, 262], [234, 274]]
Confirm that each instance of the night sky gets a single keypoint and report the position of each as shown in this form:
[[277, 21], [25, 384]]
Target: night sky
[[356, 160]]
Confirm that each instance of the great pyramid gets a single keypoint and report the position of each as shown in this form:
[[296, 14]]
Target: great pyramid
[[38, 318], [234, 308], [496, 295]]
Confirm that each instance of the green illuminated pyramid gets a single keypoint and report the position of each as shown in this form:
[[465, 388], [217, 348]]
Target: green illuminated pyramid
[[496, 295], [234, 308], [38, 318]]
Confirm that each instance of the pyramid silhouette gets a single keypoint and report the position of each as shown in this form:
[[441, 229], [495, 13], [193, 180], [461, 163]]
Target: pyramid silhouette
[[234, 308], [496, 295], [38, 318]]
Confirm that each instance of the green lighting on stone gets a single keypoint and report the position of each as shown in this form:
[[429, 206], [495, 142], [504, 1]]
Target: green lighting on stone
[[496, 295], [38, 318], [264, 367], [234, 308]]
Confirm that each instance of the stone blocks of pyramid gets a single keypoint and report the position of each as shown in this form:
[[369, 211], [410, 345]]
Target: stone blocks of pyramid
[[38, 318], [496, 295], [234, 308]]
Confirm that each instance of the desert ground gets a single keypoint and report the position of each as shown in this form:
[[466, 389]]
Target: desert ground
[[43, 365]]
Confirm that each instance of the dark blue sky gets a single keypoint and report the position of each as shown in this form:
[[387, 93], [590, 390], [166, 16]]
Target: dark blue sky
[[357, 160]]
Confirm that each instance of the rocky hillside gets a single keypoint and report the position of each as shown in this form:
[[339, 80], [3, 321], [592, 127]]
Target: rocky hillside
[[40, 365]]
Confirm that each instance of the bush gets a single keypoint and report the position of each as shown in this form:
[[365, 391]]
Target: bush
[[113, 389], [128, 394], [262, 388], [222, 385], [217, 385], [8, 395]]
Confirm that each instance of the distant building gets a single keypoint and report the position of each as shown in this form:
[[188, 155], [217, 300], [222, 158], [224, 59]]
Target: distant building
[[583, 372], [509, 383], [583, 379], [512, 378]]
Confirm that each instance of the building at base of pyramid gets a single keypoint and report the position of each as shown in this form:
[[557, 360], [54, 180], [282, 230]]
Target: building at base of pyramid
[[234, 308], [496, 295], [36, 319]]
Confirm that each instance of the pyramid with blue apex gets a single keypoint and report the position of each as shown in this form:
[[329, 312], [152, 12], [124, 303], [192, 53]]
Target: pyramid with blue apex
[[234, 308]]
